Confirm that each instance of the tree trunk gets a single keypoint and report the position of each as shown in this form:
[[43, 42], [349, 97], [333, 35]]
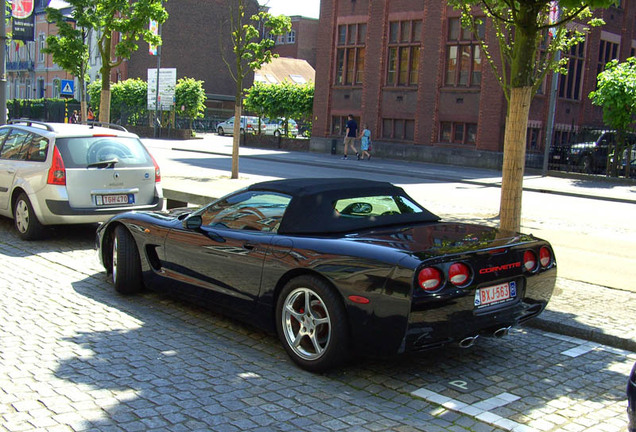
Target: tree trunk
[[236, 139], [104, 102], [514, 158]]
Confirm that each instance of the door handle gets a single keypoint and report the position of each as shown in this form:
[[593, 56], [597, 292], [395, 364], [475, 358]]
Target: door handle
[[249, 246]]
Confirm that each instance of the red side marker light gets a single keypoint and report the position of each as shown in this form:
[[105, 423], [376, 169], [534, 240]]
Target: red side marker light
[[359, 299]]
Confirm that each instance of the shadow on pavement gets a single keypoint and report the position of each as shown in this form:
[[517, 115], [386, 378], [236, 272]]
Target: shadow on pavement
[[168, 364]]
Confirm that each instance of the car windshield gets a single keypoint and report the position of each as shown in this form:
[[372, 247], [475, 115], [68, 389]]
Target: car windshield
[[588, 136], [79, 152], [255, 211]]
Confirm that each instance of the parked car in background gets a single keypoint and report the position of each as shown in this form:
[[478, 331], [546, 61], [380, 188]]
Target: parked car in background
[[589, 152], [249, 124], [277, 127], [57, 173]]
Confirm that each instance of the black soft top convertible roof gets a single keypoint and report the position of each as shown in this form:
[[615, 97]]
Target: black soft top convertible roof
[[311, 209]]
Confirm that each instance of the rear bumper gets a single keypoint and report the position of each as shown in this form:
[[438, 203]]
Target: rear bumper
[[450, 321], [60, 212]]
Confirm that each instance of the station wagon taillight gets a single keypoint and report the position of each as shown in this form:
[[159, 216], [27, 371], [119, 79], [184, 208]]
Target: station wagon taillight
[[157, 170], [57, 172]]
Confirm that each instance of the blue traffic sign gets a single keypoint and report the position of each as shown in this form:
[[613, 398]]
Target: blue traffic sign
[[67, 87]]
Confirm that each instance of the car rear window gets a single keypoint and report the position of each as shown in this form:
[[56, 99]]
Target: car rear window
[[79, 152], [370, 206]]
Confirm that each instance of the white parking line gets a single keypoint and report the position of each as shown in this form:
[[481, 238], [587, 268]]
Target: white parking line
[[480, 410]]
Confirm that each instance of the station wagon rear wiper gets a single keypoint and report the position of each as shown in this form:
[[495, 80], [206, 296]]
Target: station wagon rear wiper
[[110, 163]]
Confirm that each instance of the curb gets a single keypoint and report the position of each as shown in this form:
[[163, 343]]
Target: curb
[[591, 335]]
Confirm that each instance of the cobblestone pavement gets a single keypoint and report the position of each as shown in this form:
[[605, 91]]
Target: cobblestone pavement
[[76, 356]]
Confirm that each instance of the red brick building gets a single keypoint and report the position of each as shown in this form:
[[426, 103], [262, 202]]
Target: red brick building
[[408, 69], [300, 41]]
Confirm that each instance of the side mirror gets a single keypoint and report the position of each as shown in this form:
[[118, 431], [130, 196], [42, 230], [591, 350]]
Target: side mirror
[[193, 222]]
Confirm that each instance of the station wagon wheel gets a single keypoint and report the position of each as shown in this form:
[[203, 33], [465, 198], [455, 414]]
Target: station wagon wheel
[[586, 165], [311, 323], [25, 220], [126, 265], [220, 131], [277, 133]]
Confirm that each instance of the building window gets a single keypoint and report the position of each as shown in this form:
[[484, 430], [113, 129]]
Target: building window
[[41, 46], [339, 124], [463, 55], [405, 39], [350, 54], [532, 140], [398, 129], [458, 133], [291, 37], [570, 84], [607, 51]]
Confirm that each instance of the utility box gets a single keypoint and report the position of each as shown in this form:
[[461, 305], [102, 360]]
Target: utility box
[[334, 146]]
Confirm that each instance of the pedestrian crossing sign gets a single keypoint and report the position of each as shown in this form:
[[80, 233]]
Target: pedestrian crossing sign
[[67, 87]]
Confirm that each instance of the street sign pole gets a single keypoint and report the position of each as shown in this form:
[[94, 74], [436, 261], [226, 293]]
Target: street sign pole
[[3, 66], [157, 86]]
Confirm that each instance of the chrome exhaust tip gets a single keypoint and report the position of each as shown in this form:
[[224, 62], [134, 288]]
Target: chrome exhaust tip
[[501, 332], [468, 342]]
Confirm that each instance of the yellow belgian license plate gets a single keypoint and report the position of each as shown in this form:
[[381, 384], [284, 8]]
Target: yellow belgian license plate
[[495, 294]]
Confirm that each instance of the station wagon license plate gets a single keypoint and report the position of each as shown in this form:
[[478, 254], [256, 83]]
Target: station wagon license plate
[[495, 294], [115, 199]]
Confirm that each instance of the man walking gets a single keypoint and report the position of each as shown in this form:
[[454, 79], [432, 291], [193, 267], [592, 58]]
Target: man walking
[[350, 136]]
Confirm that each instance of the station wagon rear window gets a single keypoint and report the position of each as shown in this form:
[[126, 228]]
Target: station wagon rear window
[[79, 152]]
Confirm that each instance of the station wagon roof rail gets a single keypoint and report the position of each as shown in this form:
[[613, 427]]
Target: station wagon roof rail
[[29, 122]]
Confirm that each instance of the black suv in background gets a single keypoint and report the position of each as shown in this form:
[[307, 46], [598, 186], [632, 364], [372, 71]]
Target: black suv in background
[[589, 152]]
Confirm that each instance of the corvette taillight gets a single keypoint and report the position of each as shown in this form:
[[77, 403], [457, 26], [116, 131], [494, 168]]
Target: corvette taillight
[[459, 274], [57, 172], [529, 261], [545, 257], [430, 279]]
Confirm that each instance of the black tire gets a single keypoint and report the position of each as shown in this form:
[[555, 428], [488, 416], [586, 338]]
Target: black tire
[[315, 337], [220, 131], [25, 220], [126, 265], [277, 133]]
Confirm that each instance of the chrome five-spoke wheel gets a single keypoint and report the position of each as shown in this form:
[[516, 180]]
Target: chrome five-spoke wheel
[[311, 323], [306, 324]]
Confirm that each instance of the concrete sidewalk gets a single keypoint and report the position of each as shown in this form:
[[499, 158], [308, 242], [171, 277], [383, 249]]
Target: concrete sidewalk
[[594, 313]]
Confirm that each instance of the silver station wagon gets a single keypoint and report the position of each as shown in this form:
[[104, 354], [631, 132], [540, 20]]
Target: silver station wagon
[[57, 173]]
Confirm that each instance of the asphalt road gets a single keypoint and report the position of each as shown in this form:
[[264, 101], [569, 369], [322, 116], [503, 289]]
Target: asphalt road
[[590, 224]]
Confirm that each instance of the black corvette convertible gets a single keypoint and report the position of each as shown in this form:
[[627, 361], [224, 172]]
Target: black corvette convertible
[[336, 266]]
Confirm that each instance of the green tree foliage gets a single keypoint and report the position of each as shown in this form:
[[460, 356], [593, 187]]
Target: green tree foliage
[[616, 94], [129, 98], [189, 93], [251, 50], [129, 19], [521, 27], [68, 48], [284, 100]]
